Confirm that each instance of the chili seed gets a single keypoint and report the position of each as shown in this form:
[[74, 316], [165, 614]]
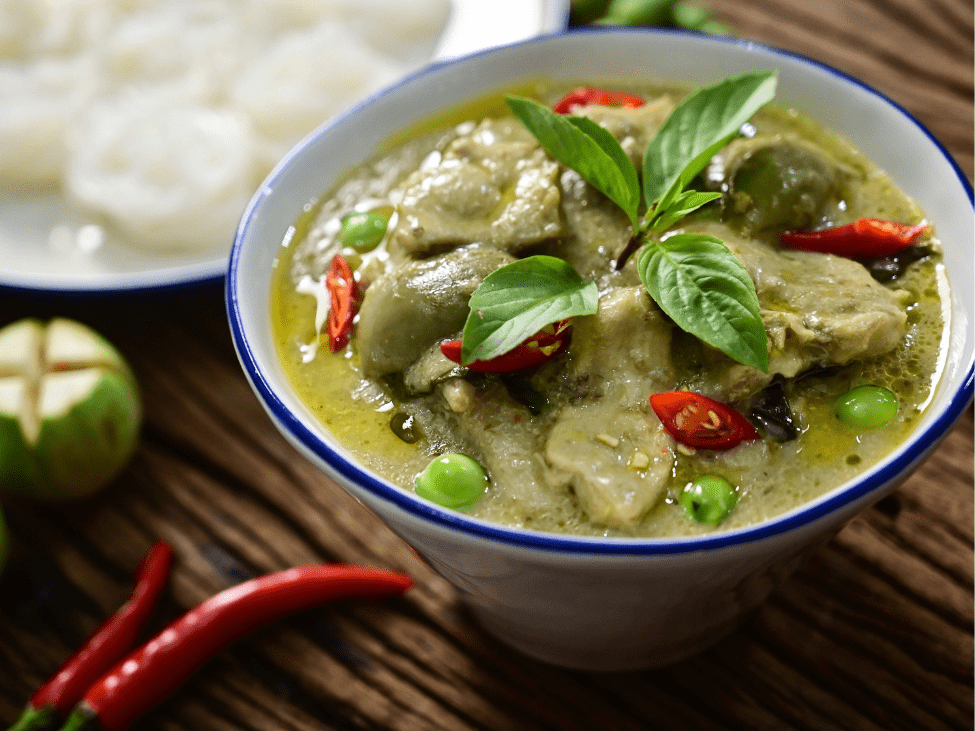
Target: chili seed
[[639, 461]]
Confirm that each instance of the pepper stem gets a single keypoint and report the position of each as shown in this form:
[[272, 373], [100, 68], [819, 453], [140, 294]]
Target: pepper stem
[[80, 720], [634, 243], [35, 719]]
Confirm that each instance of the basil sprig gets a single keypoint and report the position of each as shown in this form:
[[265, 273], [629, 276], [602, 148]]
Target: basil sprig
[[696, 129], [694, 278], [587, 148], [519, 299]]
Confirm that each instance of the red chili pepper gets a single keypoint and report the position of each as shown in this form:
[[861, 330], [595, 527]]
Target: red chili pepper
[[106, 646], [539, 348], [152, 672], [345, 296], [586, 95], [862, 239], [700, 422]]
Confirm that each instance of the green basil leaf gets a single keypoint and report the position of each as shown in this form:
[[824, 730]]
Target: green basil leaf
[[631, 179], [685, 203], [707, 292], [519, 299], [698, 127], [587, 148]]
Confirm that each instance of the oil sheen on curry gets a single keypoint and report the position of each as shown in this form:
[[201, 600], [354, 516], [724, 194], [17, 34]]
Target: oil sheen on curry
[[615, 411]]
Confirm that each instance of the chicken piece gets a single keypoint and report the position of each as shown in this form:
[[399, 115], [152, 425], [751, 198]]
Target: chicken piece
[[495, 186], [506, 440], [598, 228], [429, 369], [609, 447], [818, 309], [617, 459], [623, 350]]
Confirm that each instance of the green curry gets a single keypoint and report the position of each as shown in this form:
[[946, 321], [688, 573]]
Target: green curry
[[570, 442]]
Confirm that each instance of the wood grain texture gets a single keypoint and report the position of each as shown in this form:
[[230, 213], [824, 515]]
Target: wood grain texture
[[873, 632]]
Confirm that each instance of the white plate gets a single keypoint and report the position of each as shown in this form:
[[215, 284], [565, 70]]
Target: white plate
[[47, 247]]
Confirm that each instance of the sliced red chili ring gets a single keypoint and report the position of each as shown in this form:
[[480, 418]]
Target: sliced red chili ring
[[587, 95], [345, 296], [862, 239], [539, 348], [701, 422]]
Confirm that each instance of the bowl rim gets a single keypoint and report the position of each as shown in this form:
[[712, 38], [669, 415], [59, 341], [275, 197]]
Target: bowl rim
[[338, 466]]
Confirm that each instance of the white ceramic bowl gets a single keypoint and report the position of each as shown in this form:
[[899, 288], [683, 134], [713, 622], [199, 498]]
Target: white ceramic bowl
[[606, 604]]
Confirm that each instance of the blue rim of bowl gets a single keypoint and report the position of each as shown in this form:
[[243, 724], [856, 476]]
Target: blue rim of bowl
[[174, 279], [900, 465]]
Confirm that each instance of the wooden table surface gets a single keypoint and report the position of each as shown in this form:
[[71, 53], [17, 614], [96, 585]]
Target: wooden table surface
[[873, 632]]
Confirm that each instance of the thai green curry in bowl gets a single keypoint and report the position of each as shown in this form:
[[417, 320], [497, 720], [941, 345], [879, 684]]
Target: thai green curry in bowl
[[615, 310]]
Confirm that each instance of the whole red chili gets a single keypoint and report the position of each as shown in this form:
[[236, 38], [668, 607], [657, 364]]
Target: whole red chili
[[106, 646], [586, 95], [539, 348], [863, 239], [153, 671], [700, 422], [345, 296]]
